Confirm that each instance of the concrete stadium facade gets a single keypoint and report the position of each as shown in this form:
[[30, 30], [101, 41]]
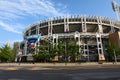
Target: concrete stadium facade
[[91, 32]]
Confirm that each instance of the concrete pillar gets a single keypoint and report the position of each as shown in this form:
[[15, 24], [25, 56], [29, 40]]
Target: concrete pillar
[[86, 49], [100, 28], [100, 47], [112, 28], [66, 25], [77, 35], [50, 27], [83, 20], [29, 32], [37, 29], [55, 39], [25, 47]]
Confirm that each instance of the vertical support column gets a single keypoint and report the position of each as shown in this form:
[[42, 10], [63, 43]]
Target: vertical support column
[[37, 29], [100, 28], [25, 47], [35, 48], [112, 28], [100, 47], [29, 33], [55, 39], [51, 30], [99, 25], [37, 32], [88, 52], [40, 34], [84, 28], [26, 42], [79, 43], [86, 49], [77, 35], [66, 24], [50, 27]]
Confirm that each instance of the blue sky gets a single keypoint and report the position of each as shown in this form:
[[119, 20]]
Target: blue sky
[[16, 15]]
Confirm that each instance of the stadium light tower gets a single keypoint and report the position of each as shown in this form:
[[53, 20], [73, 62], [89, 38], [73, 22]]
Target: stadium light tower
[[116, 9]]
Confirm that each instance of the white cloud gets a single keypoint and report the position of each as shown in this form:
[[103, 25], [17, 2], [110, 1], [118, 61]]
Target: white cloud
[[1, 42], [20, 8], [13, 10], [16, 28]]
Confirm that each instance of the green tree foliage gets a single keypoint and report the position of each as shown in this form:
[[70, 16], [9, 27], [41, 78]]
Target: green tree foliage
[[44, 52], [68, 48], [72, 49], [61, 48], [111, 49], [6, 53], [14, 50], [65, 48]]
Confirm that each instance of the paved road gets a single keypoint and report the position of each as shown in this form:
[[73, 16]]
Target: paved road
[[62, 73]]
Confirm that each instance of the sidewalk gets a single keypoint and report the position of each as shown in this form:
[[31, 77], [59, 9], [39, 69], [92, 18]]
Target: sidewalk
[[57, 64]]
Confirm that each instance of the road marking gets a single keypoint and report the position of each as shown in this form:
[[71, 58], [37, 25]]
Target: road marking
[[15, 79], [11, 69], [35, 68]]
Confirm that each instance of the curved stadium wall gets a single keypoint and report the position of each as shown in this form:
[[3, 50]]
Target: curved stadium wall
[[91, 32]]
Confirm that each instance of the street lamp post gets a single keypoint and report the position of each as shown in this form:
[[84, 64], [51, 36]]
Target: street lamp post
[[20, 56], [115, 58], [65, 53]]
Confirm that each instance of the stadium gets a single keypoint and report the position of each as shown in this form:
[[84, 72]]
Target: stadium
[[91, 32]]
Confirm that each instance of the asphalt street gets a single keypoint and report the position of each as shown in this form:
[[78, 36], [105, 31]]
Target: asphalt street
[[61, 73]]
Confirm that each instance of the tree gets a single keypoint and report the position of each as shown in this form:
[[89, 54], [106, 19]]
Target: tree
[[14, 50], [6, 53], [112, 51], [60, 48], [63, 49], [68, 49], [44, 52], [72, 49]]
